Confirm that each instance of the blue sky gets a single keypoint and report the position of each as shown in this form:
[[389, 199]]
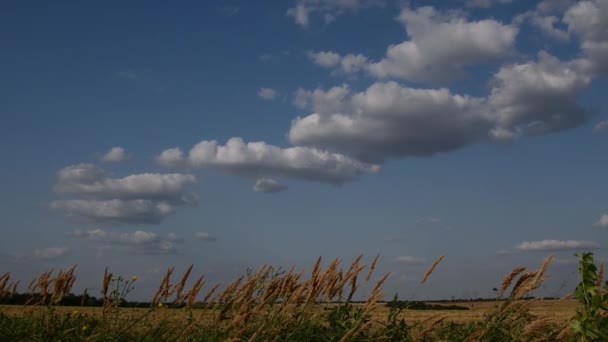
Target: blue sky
[[230, 134]]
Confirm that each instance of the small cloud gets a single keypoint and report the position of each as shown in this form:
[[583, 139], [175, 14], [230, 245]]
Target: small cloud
[[170, 157], [50, 253], [267, 93], [601, 127], [434, 220], [205, 236], [268, 185], [504, 252], [555, 245], [172, 237], [410, 260], [265, 58], [115, 154], [602, 222], [128, 74]]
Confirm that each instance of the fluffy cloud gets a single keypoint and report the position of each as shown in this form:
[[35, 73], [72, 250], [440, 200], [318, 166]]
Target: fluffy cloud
[[389, 120], [545, 23], [267, 93], [602, 222], [115, 154], [259, 160], [555, 245], [442, 44], [410, 260], [538, 97], [90, 181], [115, 211], [601, 127], [347, 64], [140, 241], [268, 185], [589, 21], [50, 253], [205, 236], [329, 9], [170, 157], [136, 199]]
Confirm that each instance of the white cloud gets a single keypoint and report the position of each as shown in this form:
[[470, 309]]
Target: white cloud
[[601, 127], [50, 253], [326, 59], [602, 222], [410, 260], [555, 245], [267, 93], [115, 154], [538, 97], [347, 64], [486, 3], [328, 9], [554, 6], [259, 160], [545, 23], [589, 21], [170, 157], [136, 199], [268, 185], [390, 120], [115, 211], [139, 241], [90, 181], [205, 236], [441, 45]]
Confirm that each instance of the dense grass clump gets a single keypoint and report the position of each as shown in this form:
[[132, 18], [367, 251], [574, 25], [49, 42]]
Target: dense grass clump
[[274, 305]]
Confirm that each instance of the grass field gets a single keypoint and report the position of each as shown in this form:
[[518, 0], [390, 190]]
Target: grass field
[[287, 306]]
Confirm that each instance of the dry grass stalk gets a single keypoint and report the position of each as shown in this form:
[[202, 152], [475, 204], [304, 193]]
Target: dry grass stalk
[[372, 268], [179, 287], [356, 329], [164, 289], [431, 269], [506, 282]]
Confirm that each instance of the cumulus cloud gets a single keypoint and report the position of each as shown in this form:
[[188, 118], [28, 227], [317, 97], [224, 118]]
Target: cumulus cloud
[[602, 222], [260, 160], [136, 199], [90, 181], [389, 120], [601, 127], [555, 245], [441, 45], [548, 24], [115, 154], [50, 253], [141, 242], [268, 185], [410, 260], [589, 21], [205, 236], [115, 211], [328, 9], [267, 93], [170, 157], [538, 97], [347, 64]]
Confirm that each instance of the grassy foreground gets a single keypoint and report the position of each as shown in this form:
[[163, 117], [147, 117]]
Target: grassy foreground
[[269, 305]]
